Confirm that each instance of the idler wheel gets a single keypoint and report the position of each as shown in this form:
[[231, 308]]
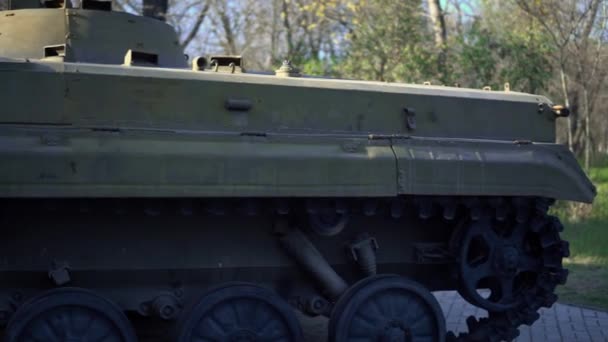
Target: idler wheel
[[241, 312], [387, 308], [69, 315], [506, 261]]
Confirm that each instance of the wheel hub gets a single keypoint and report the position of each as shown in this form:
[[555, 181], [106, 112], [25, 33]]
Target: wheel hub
[[496, 258], [240, 312], [507, 260], [395, 331], [386, 308]]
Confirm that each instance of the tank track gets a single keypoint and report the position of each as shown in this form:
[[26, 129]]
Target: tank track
[[454, 211], [503, 326]]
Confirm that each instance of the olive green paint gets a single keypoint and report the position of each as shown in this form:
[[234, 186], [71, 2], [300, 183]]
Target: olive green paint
[[83, 125]]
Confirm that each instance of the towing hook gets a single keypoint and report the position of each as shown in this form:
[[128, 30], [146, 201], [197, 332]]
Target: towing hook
[[560, 111]]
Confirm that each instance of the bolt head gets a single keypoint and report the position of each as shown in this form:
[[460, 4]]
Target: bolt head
[[167, 311]]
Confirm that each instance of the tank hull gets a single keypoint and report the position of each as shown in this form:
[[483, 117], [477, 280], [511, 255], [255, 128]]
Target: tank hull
[[104, 131], [143, 197]]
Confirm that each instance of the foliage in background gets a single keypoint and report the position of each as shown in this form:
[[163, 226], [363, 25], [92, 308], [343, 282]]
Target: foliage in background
[[385, 43], [506, 49], [587, 234]]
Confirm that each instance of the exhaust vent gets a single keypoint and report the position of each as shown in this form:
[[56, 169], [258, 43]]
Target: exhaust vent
[[54, 51], [139, 58]]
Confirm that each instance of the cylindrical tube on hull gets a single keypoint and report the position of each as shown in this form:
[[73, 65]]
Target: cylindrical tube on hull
[[309, 258]]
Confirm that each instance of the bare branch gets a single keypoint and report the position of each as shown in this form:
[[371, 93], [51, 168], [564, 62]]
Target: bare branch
[[197, 24]]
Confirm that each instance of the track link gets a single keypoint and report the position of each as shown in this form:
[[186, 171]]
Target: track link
[[455, 212], [503, 326]]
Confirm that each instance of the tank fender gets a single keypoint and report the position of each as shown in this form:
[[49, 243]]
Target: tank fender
[[62, 162], [490, 168]]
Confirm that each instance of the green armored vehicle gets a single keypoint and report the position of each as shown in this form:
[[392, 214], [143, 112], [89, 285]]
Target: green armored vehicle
[[147, 197]]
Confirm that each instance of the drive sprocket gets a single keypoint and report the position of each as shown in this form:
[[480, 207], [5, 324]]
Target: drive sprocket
[[523, 249]]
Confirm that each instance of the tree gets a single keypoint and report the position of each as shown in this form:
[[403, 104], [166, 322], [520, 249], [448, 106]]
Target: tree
[[386, 43], [497, 47], [156, 9], [570, 25], [198, 22], [309, 27], [439, 28]]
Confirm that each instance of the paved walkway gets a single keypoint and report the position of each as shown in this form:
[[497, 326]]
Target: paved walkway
[[560, 323]]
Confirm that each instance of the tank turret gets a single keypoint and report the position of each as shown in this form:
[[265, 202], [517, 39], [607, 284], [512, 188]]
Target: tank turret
[[90, 33]]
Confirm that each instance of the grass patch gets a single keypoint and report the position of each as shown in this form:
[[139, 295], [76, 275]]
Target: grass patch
[[587, 231], [587, 286], [588, 264], [588, 242]]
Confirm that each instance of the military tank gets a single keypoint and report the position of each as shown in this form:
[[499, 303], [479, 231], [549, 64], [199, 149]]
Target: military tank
[[145, 196]]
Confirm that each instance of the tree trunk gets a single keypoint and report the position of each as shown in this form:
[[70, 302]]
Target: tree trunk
[[274, 34], [459, 23], [562, 73], [288, 30], [156, 9], [584, 73], [587, 133], [230, 37], [440, 36]]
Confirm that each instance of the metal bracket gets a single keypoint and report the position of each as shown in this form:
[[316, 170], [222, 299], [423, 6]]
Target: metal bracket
[[226, 63], [364, 242], [410, 118], [59, 273], [363, 252]]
